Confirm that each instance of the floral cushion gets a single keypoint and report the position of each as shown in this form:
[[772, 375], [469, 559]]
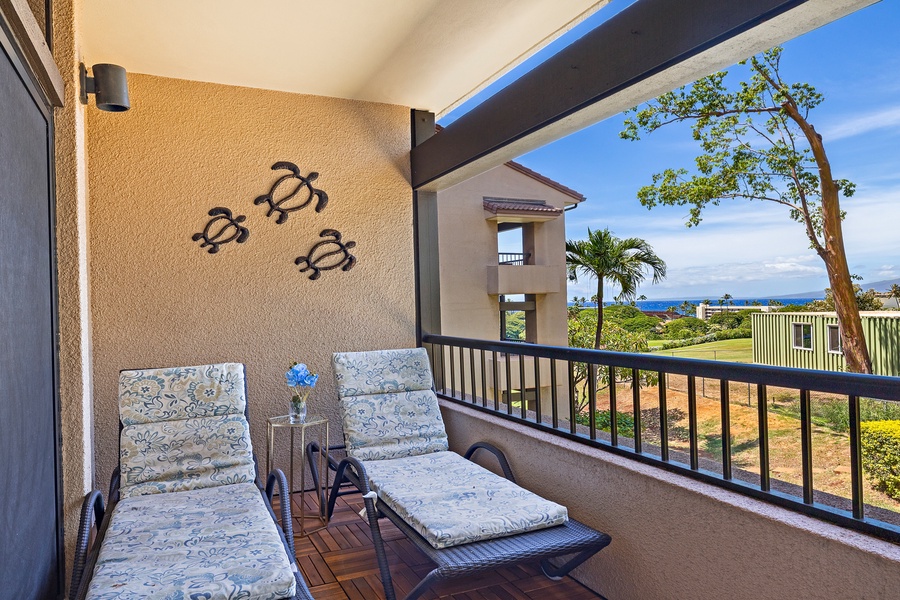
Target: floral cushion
[[385, 426], [382, 372], [211, 544], [154, 395], [451, 501], [185, 454]]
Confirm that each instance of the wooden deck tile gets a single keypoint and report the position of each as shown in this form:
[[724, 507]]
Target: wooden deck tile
[[339, 563]]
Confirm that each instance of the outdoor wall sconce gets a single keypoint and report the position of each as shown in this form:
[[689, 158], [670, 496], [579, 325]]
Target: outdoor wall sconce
[[108, 84]]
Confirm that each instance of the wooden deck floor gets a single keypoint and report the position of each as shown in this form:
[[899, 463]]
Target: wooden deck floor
[[339, 564]]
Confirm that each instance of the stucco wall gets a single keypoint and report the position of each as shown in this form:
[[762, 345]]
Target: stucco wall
[[673, 537], [76, 422], [158, 299], [468, 245]]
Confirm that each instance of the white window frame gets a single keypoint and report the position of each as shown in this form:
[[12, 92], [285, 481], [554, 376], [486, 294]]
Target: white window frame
[[794, 336], [840, 348]]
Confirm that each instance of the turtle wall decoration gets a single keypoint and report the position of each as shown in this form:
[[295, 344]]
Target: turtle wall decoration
[[221, 229], [285, 200], [326, 255]]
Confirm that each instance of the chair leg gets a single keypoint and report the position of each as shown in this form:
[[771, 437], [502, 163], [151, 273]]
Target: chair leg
[[423, 585], [557, 573]]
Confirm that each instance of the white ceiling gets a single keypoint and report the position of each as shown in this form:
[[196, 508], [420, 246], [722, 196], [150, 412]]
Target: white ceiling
[[426, 54]]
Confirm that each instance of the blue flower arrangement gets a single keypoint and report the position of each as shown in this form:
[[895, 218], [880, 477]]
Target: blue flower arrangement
[[301, 381]]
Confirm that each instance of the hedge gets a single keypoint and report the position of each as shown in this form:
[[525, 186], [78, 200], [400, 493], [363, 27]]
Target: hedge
[[716, 336], [881, 455]]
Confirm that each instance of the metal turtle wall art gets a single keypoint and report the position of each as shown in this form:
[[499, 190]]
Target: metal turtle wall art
[[284, 198], [222, 229], [327, 255]]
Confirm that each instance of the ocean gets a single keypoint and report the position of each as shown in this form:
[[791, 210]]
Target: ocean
[[662, 305]]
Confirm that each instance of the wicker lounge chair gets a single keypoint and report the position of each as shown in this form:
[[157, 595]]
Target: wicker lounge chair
[[463, 517], [188, 518]]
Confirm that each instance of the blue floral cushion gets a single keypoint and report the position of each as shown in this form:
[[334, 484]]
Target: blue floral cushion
[[382, 372], [185, 454], [451, 501], [153, 395], [211, 544], [385, 426]]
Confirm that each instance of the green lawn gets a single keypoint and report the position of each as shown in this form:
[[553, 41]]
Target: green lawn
[[740, 350]]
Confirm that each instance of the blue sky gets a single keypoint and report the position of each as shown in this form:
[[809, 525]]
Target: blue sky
[[749, 249]]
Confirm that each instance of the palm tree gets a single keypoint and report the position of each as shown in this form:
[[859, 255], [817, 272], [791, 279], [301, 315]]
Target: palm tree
[[608, 258], [895, 293]]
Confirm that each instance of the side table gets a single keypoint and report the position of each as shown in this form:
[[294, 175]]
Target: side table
[[312, 421]]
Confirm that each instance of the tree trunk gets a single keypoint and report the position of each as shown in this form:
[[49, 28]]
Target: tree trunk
[[599, 313], [856, 353], [853, 341]]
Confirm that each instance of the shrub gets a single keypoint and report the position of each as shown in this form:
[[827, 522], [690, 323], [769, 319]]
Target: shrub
[[881, 455], [640, 324], [685, 327]]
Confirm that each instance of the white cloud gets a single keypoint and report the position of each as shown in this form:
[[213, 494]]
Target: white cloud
[[878, 119]]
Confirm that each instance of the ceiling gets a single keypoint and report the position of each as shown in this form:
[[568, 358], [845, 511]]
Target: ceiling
[[425, 54]]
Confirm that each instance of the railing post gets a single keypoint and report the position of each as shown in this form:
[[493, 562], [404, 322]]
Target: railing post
[[763, 424], [856, 467], [663, 419], [726, 428], [806, 457], [692, 422]]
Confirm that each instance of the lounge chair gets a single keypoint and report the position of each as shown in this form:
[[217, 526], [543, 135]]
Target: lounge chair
[[188, 518], [463, 517]]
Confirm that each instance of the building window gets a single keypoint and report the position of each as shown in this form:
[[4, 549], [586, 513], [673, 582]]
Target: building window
[[803, 338], [834, 339]]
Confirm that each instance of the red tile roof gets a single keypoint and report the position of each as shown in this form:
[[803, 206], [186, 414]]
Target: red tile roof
[[498, 205]]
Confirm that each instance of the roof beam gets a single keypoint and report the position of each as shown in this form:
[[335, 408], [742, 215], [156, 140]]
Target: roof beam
[[650, 48]]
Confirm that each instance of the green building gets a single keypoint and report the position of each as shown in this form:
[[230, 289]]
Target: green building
[[811, 340]]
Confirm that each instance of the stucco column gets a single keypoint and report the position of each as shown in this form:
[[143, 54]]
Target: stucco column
[[72, 265]]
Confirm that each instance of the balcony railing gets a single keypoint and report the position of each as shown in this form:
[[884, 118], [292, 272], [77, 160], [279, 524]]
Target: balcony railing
[[577, 394], [513, 258]]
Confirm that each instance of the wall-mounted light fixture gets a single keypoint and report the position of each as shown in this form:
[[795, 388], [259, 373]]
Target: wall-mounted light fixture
[[108, 84]]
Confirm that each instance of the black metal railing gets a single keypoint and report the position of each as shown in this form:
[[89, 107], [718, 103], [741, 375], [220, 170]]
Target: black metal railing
[[513, 258], [584, 395]]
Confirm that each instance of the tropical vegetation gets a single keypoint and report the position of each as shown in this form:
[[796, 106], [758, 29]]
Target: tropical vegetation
[[623, 262], [757, 143]]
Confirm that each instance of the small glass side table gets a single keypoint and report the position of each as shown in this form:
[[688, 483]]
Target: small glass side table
[[312, 421]]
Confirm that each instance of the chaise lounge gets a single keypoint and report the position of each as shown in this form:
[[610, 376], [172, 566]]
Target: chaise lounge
[[188, 518], [463, 517]]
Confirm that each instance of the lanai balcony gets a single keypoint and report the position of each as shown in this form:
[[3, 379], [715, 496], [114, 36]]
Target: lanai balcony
[[218, 104]]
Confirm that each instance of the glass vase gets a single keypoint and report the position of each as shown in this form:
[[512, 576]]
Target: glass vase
[[298, 411]]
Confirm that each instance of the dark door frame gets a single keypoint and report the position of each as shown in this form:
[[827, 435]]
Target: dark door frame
[[26, 75]]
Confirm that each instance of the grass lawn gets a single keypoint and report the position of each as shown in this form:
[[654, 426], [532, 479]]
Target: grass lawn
[[740, 350]]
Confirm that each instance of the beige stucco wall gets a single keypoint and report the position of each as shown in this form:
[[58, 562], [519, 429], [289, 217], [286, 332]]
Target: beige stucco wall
[[676, 538], [468, 246], [76, 421], [158, 299]]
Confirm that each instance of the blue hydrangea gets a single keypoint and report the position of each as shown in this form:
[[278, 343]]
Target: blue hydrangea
[[299, 375]]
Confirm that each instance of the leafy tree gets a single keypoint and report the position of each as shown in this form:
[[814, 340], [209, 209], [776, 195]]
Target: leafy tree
[[775, 303], [758, 144], [645, 324], [864, 300], [608, 258], [686, 327], [582, 325]]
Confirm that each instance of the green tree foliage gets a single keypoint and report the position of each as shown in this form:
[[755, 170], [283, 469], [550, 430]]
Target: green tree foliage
[[864, 300], [515, 325], [685, 327], [582, 325], [757, 144], [731, 320], [624, 262]]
